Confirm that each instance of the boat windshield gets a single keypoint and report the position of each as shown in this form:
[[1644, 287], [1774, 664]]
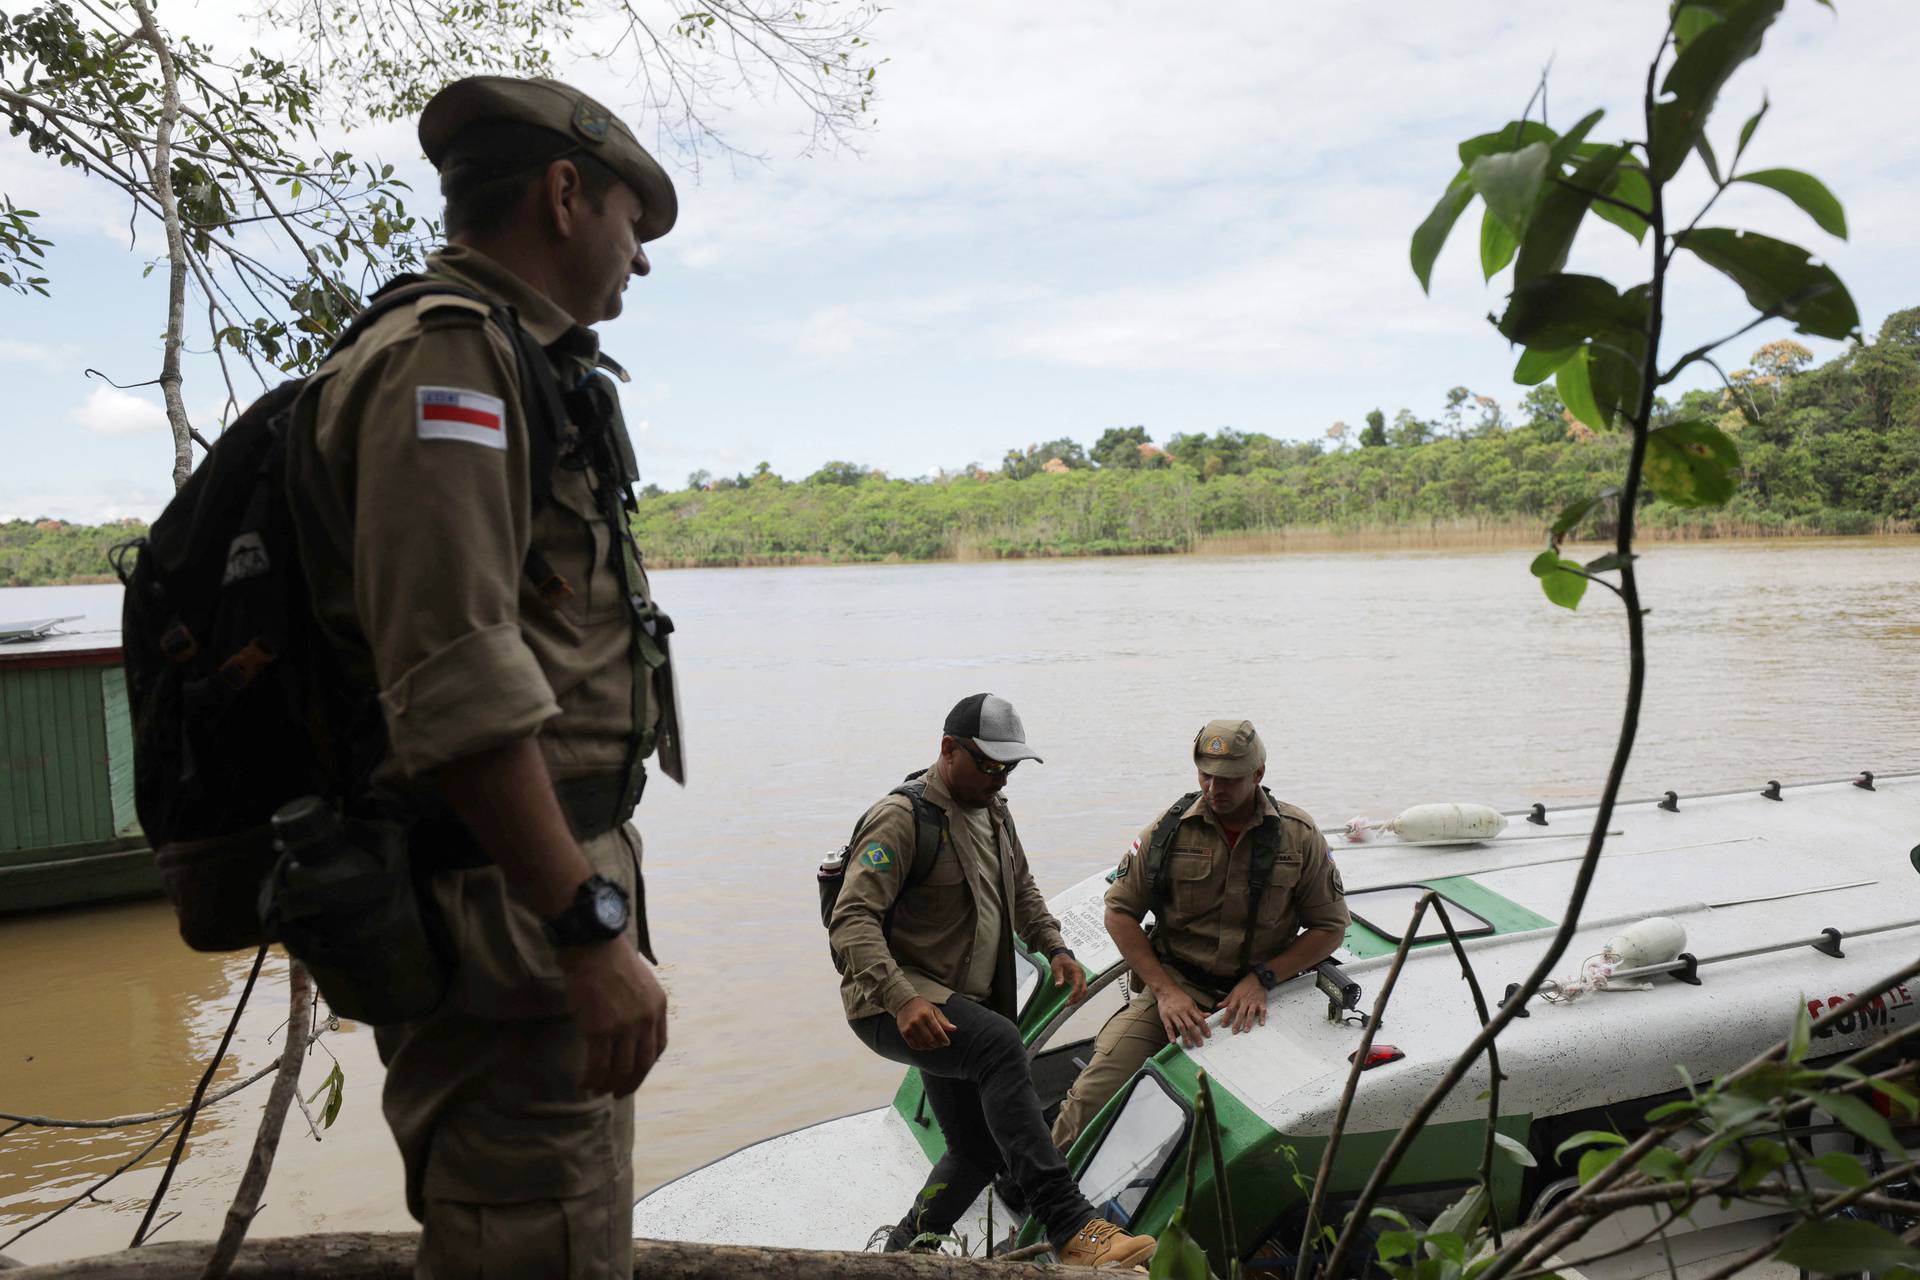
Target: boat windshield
[[1389, 909], [1135, 1150], [1027, 976]]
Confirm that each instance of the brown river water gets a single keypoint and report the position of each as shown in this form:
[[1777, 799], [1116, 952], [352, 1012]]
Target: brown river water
[[1378, 680]]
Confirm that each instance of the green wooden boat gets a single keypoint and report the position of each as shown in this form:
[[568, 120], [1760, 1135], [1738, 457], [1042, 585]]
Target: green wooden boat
[[68, 834]]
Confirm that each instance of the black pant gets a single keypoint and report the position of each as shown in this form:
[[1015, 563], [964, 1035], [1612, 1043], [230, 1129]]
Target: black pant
[[981, 1091]]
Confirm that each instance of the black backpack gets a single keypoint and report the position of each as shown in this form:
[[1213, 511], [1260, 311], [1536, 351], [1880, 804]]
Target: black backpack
[[238, 702], [929, 832]]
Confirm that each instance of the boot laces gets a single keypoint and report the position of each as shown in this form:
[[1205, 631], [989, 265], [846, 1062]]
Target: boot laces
[[1099, 1231]]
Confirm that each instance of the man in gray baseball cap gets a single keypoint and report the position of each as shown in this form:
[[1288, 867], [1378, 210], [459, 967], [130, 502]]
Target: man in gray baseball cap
[[936, 888]]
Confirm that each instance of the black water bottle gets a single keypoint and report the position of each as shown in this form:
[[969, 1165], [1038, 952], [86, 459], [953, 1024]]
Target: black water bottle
[[341, 900]]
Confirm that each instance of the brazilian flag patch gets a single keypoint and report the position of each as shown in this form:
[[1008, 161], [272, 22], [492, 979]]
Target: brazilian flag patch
[[877, 856]]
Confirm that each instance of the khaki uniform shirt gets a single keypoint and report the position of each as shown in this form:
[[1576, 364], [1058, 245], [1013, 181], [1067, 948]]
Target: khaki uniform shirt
[[414, 524], [930, 949], [1205, 920]]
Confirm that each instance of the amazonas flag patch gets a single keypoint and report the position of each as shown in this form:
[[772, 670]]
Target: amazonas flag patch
[[452, 413]]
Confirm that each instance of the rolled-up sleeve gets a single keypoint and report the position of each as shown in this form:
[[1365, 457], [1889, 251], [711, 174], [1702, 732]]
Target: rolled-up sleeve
[[442, 524]]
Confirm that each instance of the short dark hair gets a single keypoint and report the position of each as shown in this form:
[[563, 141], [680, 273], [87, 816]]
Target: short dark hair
[[490, 167]]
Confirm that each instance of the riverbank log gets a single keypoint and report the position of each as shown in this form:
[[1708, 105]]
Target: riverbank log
[[361, 1255]]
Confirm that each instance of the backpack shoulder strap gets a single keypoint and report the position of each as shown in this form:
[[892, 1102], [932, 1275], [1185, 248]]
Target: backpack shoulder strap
[[1158, 844], [1266, 850], [929, 826]]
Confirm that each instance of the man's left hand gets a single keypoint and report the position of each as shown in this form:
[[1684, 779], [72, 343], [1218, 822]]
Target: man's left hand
[[1067, 970], [1245, 1005]]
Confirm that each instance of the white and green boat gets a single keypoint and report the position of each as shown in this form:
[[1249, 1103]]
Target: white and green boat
[[1788, 897]]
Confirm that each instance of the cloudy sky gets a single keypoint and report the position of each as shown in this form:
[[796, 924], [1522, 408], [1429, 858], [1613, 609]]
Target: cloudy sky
[[1068, 217]]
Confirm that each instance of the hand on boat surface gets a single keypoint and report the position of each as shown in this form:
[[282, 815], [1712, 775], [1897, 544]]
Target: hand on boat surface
[[922, 1025], [1067, 970], [1245, 1006], [622, 1012], [1184, 1019]]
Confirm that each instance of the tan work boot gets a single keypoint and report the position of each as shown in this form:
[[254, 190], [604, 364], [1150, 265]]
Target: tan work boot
[[1100, 1243]]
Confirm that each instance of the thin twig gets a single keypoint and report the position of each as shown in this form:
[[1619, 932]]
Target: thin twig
[[127, 1122]]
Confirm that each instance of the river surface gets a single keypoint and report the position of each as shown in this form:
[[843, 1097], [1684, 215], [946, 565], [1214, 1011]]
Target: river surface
[[1377, 680]]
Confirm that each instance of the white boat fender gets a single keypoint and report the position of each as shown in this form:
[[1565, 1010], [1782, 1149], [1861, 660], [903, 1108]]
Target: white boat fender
[[1436, 824], [1655, 940]]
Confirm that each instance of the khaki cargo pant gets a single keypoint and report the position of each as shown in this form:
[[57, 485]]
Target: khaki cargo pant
[[511, 1170], [1132, 1035]]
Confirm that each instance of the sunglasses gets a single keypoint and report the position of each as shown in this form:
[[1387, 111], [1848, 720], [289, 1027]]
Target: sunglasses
[[987, 764]]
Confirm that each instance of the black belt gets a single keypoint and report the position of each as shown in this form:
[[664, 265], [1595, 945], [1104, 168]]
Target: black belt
[[1212, 983], [595, 803]]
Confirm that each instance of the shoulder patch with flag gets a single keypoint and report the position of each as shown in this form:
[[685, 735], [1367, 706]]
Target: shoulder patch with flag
[[877, 855], [452, 413]]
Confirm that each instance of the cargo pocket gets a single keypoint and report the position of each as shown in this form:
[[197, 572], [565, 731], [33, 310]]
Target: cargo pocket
[[572, 1238], [487, 1154]]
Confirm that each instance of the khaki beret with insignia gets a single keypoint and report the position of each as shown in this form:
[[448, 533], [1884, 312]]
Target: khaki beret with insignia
[[564, 110], [1228, 748]]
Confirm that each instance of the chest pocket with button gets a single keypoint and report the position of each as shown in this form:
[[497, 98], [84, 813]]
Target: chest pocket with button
[[942, 896], [1277, 903], [579, 545], [1189, 877]]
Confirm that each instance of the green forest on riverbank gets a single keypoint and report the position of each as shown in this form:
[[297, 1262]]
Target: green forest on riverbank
[[1829, 449]]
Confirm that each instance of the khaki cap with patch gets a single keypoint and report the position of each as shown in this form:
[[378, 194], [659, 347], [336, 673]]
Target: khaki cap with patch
[[564, 110], [1228, 749]]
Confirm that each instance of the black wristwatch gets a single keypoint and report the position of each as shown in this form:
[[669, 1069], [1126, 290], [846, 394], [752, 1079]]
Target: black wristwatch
[[1266, 977], [1054, 953], [598, 913]]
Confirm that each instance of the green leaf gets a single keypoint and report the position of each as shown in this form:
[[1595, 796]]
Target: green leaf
[[1746, 130], [1510, 137], [1432, 234], [1588, 1138], [1857, 1116], [1808, 192], [1842, 1168], [1608, 562], [1514, 1150], [1558, 580], [1839, 1246], [1594, 1163], [1802, 1036], [1574, 382], [1675, 1108], [1759, 1157], [1705, 150], [1779, 277], [1178, 1256], [1536, 365], [1395, 1244], [1509, 181], [1690, 21], [1692, 464], [1569, 519], [1391, 1215], [1663, 1164], [1559, 310], [1629, 185], [1570, 143], [1909, 1102], [1558, 217], [1695, 79], [1497, 245], [1446, 1244], [1463, 1215]]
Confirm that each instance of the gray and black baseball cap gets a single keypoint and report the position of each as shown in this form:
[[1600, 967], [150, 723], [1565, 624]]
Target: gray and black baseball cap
[[992, 725]]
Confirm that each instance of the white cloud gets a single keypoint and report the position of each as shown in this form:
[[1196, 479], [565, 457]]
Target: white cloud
[[14, 351], [109, 411]]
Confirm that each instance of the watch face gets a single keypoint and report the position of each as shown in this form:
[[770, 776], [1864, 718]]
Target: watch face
[[608, 909]]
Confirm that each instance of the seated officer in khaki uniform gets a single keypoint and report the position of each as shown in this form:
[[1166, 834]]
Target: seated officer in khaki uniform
[[1205, 953], [522, 671], [928, 981]]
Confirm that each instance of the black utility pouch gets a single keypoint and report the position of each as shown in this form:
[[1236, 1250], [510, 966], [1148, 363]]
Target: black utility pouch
[[352, 914]]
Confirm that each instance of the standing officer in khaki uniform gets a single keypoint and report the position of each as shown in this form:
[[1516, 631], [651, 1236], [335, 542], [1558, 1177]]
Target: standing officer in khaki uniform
[[1212, 947], [506, 621], [928, 981]]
